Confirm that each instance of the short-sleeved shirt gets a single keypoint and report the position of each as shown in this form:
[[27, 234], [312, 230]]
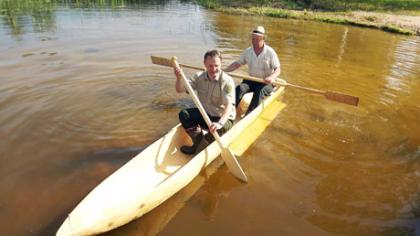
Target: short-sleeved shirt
[[262, 65], [214, 95]]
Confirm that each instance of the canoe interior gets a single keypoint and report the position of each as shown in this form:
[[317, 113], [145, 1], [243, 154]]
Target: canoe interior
[[158, 172]]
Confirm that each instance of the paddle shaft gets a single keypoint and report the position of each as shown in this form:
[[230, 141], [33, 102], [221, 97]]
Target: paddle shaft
[[259, 80], [227, 154], [330, 95], [191, 67], [338, 97], [276, 83]]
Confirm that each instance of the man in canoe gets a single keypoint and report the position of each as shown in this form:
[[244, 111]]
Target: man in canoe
[[263, 63], [215, 90]]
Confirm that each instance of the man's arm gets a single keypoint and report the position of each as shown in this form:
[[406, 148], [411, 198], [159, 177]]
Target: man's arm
[[179, 86], [271, 78], [235, 65], [274, 63], [225, 116]]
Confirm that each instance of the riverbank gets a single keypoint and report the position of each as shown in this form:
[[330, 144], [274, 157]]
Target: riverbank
[[401, 22]]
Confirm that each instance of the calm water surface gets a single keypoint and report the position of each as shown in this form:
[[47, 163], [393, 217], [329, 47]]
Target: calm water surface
[[79, 97]]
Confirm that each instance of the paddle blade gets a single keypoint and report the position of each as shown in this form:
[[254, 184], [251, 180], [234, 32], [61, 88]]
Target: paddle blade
[[343, 98], [233, 165], [161, 61]]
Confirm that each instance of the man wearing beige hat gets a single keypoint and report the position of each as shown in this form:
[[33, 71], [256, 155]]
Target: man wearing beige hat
[[263, 63]]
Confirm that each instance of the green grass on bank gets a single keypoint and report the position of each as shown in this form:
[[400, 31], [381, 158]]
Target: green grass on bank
[[365, 5], [293, 10], [323, 5]]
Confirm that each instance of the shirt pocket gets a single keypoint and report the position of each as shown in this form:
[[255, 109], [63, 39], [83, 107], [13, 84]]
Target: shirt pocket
[[267, 64], [267, 67], [263, 64]]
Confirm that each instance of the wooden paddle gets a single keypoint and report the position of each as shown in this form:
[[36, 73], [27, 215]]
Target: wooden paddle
[[227, 154], [330, 95]]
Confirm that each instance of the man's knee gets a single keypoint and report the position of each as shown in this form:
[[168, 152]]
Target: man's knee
[[242, 88], [185, 118], [265, 91], [183, 115], [238, 90], [238, 95], [228, 125]]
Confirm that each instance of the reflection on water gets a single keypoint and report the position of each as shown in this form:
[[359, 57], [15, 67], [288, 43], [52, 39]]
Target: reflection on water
[[405, 67], [79, 97], [18, 15]]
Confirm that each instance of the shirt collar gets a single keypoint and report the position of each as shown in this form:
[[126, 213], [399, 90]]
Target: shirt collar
[[262, 51], [217, 77]]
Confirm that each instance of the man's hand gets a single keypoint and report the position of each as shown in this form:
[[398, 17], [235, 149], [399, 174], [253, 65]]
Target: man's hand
[[268, 80], [179, 86], [271, 78], [215, 126], [177, 72]]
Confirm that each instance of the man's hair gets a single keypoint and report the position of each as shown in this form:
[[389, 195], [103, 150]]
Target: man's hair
[[213, 53]]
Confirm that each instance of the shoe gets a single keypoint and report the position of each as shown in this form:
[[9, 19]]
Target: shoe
[[209, 137], [189, 150], [196, 137]]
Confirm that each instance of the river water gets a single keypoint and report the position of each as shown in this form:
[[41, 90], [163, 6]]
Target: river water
[[79, 97]]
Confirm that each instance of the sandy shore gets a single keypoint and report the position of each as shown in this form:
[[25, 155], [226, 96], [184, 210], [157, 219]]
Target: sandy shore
[[398, 22], [407, 22]]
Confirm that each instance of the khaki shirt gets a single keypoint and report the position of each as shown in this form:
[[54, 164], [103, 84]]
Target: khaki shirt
[[260, 66], [215, 94]]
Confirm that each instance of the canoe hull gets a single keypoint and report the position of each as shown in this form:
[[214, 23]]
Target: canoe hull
[[157, 173]]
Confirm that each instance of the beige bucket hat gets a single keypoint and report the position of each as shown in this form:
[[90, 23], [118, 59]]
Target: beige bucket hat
[[259, 30]]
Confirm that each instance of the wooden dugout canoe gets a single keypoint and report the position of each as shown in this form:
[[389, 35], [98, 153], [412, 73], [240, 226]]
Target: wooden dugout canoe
[[158, 172]]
